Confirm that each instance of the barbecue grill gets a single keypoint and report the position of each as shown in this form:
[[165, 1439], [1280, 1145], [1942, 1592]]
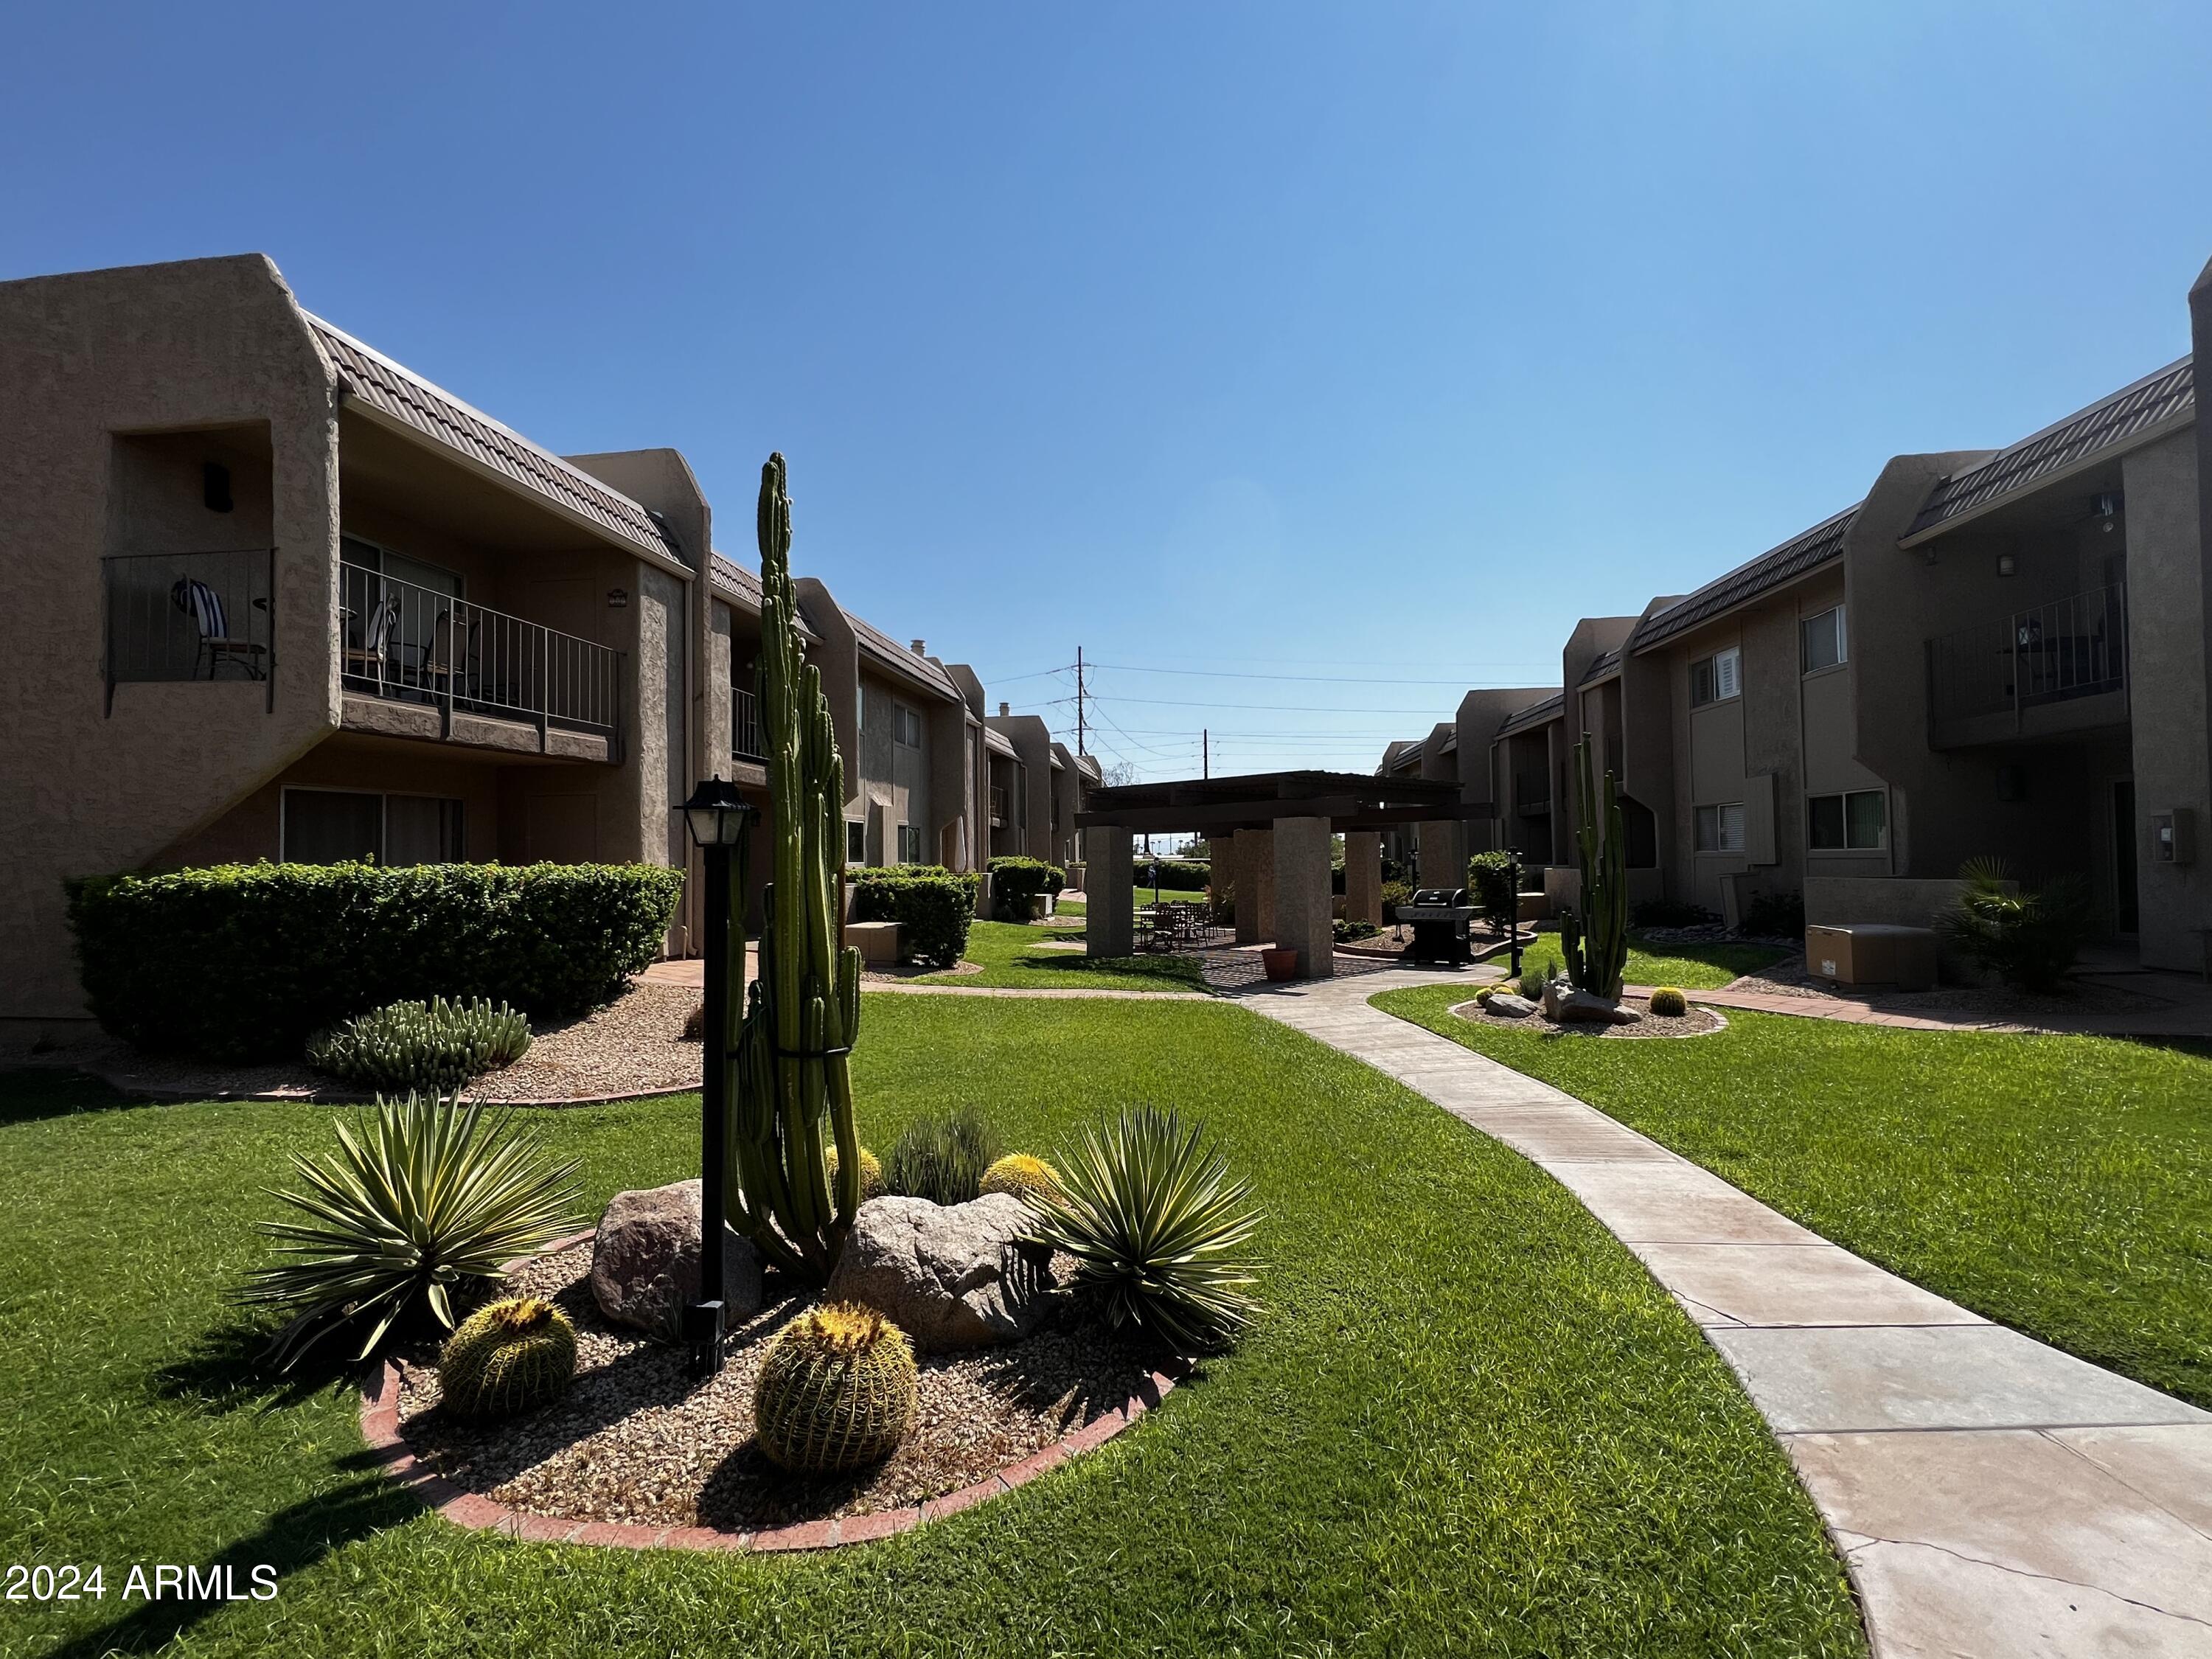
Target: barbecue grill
[[1439, 917]]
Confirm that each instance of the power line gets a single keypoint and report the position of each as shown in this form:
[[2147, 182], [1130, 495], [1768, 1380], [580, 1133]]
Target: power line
[[1318, 679]]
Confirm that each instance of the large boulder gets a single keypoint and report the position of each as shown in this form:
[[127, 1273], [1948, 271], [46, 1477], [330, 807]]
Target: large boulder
[[1506, 1006], [1580, 1007], [645, 1261], [950, 1276]]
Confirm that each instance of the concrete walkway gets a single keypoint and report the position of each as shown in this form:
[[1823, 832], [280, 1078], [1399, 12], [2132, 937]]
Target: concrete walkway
[[1990, 1496]]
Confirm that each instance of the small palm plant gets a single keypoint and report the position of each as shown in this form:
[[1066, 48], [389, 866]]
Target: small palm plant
[[1157, 1228], [2029, 939], [399, 1218]]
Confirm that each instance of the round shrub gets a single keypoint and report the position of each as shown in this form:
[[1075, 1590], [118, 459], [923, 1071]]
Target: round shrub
[[1016, 881], [872, 1173], [429, 1047], [1668, 1003], [836, 1391], [513, 1356], [932, 907], [1022, 1176]]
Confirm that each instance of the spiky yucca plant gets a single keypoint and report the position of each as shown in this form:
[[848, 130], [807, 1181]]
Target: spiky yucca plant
[[1019, 1173], [434, 1047], [513, 1356], [836, 1391], [398, 1217], [1157, 1228], [871, 1172]]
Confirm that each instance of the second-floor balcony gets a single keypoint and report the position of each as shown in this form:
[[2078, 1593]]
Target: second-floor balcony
[[418, 661], [2044, 672], [998, 807]]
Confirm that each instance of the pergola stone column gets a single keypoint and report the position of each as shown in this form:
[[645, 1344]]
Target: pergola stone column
[[1363, 876], [1302, 894], [1221, 865], [1109, 918], [1256, 885]]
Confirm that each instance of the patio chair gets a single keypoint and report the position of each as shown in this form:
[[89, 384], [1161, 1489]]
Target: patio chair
[[371, 658], [204, 606], [438, 671]]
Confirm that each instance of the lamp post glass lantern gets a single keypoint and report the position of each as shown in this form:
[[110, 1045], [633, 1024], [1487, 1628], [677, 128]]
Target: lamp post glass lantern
[[717, 816]]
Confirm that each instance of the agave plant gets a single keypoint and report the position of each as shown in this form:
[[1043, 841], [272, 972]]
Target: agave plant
[[1157, 1228], [398, 1218]]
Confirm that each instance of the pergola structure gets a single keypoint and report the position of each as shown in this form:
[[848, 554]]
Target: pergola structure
[[1269, 832]]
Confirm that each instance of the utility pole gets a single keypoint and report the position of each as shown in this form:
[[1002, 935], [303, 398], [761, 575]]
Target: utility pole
[[1205, 751], [1079, 699]]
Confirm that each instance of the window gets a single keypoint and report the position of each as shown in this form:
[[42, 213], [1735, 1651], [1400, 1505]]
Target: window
[[856, 841], [910, 843], [1854, 822], [1821, 640], [1720, 829], [339, 826], [1717, 677], [906, 725]]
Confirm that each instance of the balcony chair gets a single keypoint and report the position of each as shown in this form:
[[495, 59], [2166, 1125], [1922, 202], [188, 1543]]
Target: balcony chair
[[436, 671], [204, 606], [371, 658]]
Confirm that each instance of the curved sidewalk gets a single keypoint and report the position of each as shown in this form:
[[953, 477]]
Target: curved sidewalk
[[1990, 1496]]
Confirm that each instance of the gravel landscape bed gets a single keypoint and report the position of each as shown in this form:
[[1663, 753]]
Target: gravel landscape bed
[[635, 1440], [1699, 1022]]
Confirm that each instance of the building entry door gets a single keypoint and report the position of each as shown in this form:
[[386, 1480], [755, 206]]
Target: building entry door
[[2124, 912]]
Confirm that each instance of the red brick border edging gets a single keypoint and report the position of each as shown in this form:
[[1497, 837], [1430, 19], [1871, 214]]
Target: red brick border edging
[[379, 1427]]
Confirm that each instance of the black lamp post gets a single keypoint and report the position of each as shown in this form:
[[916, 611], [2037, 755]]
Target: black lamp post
[[718, 817], [1513, 905]]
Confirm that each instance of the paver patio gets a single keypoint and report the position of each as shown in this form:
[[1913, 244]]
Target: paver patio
[[1990, 1495]]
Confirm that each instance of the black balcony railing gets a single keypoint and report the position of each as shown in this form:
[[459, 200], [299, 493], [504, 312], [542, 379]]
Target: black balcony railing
[[2076, 646], [744, 727], [416, 644], [190, 616]]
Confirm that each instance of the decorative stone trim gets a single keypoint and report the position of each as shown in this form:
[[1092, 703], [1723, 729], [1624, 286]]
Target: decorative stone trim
[[379, 1427]]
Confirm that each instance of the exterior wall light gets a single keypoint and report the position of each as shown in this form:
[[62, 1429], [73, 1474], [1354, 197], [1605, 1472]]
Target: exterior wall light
[[617, 598], [2106, 508]]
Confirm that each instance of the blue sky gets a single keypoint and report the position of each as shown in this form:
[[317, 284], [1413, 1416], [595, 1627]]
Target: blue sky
[[1375, 342]]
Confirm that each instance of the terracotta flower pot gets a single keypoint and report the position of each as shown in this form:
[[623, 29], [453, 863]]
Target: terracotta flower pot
[[1280, 961]]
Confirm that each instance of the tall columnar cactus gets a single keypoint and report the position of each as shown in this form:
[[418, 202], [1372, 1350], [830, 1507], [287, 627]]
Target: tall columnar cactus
[[790, 1070], [1594, 933]]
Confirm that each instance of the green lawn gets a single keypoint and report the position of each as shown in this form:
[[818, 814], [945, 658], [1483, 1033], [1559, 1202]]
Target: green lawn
[[1467, 1422], [2056, 1184], [1008, 953], [1691, 966]]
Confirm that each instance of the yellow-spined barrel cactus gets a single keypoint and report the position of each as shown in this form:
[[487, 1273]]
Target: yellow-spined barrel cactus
[[511, 1357], [1668, 1003], [1022, 1176], [871, 1172], [836, 1390]]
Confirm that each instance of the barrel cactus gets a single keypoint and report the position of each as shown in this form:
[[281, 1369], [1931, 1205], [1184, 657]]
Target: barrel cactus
[[871, 1172], [1022, 1176], [1668, 1003], [513, 1356], [836, 1391]]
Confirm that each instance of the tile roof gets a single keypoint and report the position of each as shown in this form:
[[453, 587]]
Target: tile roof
[[1771, 569], [1604, 665], [1536, 714], [2162, 398], [998, 743], [887, 651], [406, 397]]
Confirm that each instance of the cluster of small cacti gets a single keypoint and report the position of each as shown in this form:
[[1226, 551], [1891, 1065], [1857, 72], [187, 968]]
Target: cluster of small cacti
[[1668, 1003], [1024, 1176], [872, 1171], [836, 1391], [513, 1356], [432, 1048]]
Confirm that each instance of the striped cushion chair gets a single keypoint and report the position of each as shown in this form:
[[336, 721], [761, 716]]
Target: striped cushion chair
[[204, 606]]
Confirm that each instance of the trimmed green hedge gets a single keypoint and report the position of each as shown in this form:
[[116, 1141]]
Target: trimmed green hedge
[[1174, 872], [244, 960], [932, 906], [1490, 880], [1016, 881]]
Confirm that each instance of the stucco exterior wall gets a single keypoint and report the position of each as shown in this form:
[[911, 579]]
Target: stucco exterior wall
[[201, 345], [2170, 651]]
